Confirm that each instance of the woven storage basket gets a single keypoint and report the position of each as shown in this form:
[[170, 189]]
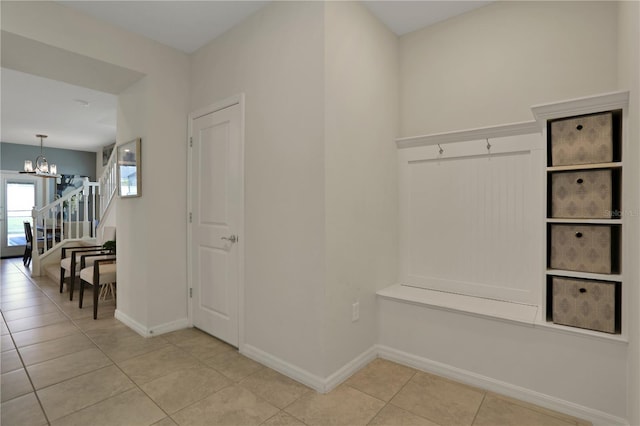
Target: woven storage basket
[[582, 140], [585, 304], [581, 248], [585, 194]]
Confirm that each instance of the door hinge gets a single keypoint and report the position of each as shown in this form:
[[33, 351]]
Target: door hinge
[[190, 217], [190, 292], [191, 141]]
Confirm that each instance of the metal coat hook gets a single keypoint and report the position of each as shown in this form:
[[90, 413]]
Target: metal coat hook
[[440, 150], [488, 145]]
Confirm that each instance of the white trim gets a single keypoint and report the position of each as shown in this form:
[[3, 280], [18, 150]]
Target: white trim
[[319, 384], [240, 225], [512, 129], [350, 368], [578, 106], [169, 327], [12, 176], [216, 106], [324, 385], [239, 100], [621, 339], [188, 215], [598, 418], [131, 323], [306, 378], [519, 314], [501, 310], [153, 331]]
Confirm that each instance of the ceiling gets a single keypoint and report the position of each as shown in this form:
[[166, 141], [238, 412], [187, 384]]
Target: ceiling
[[185, 25], [32, 104], [188, 25], [403, 17]]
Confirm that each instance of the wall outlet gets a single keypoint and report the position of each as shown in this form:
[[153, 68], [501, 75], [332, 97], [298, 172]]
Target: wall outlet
[[355, 311]]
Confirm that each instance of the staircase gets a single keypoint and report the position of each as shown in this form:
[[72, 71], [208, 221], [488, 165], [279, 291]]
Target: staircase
[[75, 217]]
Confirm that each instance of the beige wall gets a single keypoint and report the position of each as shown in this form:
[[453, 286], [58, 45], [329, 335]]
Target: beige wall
[[321, 117], [151, 229], [491, 65], [629, 79], [361, 123], [276, 58]]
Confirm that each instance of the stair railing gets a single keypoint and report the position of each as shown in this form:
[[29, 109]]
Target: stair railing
[[70, 217], [108, 184], [74, 216]]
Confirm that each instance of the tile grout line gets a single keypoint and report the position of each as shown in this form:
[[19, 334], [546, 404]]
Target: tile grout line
[[71, 378], [566, 418], [239, 384], [386, 403], [475, 416], [365, 393], [136, 385], [36, 284], [139, 386], [233, 383], [183, 350], [48, 340], [24, 367], [400, 390], [113, 362], [142, 390], [344, 383], [286, 406]]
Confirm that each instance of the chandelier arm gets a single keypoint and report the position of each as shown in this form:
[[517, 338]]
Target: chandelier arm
[[41, 166]]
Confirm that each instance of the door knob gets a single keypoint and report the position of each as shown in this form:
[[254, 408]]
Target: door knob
[[231, 239]]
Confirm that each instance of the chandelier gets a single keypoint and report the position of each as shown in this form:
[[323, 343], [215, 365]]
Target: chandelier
[[42, 166]]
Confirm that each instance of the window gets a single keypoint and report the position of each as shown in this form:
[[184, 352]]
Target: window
[[20, 201]]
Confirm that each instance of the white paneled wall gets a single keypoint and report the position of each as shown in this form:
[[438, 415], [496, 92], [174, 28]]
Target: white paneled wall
[[471, 215]]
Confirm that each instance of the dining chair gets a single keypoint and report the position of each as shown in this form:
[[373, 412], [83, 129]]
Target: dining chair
[[28, 248], [101, 273], [70, 265], [70, 258]]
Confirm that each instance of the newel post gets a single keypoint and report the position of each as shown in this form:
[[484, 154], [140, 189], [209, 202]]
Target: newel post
[[35, 250], [86, 224]]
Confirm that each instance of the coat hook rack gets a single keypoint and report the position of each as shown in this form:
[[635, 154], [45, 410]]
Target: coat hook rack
[[440, 150]]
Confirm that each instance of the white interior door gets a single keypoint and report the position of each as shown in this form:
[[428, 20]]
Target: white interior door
[[216, 167]]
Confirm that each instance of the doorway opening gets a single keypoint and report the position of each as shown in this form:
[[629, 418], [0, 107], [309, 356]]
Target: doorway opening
[[19, 194]]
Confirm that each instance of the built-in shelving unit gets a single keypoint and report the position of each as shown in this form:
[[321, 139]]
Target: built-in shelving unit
[[484, 245], [584, 289]]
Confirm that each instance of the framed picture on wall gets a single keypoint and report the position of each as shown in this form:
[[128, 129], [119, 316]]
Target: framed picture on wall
[[129, 176], [106, 153]]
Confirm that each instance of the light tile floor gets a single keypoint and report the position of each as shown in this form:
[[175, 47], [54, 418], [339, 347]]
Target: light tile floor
[[61, 367]]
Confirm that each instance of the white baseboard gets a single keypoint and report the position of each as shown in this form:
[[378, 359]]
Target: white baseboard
[[289, 370], [131, 323], [350, 368], [153, 331], [169, 327], [322, 385], [598, 418]]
